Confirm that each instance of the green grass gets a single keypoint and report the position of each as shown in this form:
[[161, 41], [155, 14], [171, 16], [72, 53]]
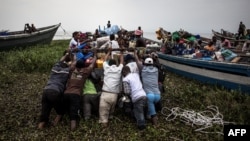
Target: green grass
[[24, 74]]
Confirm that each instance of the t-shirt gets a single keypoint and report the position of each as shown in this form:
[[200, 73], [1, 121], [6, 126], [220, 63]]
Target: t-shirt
[[76, 81], [149, 75], [112, 77], [133, 67], [73, 43], [89, 87], [58, 78], [226, 43], [137, 91]]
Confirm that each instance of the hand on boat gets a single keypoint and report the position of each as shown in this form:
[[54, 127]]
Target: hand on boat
[[94, 50], [122, 49], [109, 49]]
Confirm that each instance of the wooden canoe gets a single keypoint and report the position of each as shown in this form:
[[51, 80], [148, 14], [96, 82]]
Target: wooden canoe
[[19, 39], [229, 75]]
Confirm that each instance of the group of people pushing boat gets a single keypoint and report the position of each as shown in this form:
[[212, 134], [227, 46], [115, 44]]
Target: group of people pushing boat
[[128, 79]]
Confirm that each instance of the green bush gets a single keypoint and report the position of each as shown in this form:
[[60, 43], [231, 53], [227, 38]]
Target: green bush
[[38, 58]]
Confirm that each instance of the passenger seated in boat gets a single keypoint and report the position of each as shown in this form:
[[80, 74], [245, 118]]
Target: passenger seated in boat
[[74, 42], [246, 46], [123, 40], [27, 28], [209, 49], [140, 30], [197, 49], [96, 35], [225, 43], [210, 46], [248, 34], [217, 43], [83, 41], [138, 37], [197, 53], [33, 28], [190, 49], [179, 46], [108, 24], [200, 44]]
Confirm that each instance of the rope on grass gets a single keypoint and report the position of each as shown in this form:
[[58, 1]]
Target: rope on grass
[[206, 118]]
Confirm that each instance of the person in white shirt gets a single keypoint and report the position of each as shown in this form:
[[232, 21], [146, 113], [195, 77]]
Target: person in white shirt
[[130, 62], [74, 42], [110, 88], [132, 86]]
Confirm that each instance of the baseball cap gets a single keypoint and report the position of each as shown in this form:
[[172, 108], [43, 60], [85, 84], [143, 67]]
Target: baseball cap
[[148, 61]]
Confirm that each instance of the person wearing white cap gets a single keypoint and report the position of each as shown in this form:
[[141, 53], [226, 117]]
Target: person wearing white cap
[[149, 77]]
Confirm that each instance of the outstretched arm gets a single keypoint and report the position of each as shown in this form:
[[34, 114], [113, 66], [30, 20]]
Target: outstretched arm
[[108, 54], [138, 62], [73, 64], [94, 60], [65, 55], [121, 56]]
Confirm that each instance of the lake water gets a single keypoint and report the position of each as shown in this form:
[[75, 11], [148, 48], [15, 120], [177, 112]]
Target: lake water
[[60, 35]]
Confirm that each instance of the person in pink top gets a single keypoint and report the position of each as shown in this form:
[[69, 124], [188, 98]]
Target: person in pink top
[[225, 43], [138, 32]]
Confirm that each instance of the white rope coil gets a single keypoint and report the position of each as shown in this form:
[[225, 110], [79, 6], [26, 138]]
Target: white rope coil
[[206, 118]]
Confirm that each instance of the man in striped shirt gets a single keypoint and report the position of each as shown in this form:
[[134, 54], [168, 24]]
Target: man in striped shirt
[[53, 91]]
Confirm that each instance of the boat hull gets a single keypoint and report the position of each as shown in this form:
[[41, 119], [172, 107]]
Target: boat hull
[[16, 41], [207, 75]]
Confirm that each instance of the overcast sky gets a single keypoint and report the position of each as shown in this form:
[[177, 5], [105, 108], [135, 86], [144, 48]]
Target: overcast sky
[[195, 16]]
